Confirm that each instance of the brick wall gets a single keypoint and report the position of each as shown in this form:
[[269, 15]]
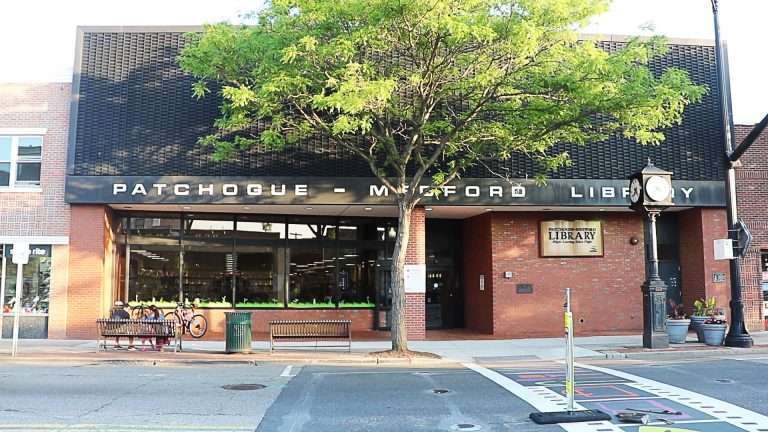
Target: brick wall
[[606, 296], [752, 201], [362, 319], [87, 293], [478, 305], [415, 314], [698, 230], [38, 106]]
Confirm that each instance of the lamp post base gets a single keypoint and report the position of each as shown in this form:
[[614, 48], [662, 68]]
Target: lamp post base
[[655, 314], [738, 337], [655, 340]]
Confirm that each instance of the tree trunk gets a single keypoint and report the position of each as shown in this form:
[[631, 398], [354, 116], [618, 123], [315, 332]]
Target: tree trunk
[[398, 326]]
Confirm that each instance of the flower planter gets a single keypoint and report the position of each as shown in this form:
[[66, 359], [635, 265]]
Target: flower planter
[[714, 333], [677, 330], [696, 322]]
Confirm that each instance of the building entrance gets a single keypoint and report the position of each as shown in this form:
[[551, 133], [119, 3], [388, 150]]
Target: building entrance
[[443, 296]]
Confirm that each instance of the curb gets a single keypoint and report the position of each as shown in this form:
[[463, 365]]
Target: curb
[[243, 360], [673, 355]]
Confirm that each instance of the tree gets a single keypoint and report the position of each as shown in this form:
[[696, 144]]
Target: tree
[[423, 89]]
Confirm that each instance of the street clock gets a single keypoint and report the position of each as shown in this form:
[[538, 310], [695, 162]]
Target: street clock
[[650, 189]]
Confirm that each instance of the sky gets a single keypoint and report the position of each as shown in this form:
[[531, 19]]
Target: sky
[[37, 37]]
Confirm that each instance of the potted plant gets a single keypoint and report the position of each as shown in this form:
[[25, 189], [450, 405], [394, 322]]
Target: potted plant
[[677, 323], [714, 328], [702, 309]]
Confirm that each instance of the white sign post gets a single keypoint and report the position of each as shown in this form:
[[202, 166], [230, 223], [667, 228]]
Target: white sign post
[[20, 257]]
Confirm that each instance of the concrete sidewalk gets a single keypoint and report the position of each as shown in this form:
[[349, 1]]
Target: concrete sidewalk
[[450, 351]]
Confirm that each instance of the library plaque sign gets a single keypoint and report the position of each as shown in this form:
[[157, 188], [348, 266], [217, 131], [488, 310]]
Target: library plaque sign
[[571, 238]]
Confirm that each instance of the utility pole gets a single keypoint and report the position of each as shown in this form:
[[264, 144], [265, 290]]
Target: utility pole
[[737, 333]]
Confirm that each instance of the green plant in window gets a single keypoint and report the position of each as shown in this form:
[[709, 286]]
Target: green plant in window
[[357, 305], [311, 305], [257, 305]]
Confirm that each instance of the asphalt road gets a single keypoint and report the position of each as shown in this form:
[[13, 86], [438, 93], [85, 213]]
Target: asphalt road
[[118, 397], [191, 398], [336, 399], [742, 380]]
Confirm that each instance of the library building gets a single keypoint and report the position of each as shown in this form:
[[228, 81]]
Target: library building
[[307, 231]]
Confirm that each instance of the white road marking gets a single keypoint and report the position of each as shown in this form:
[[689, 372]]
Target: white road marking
[[339, 190], [287, 371], [542, 399], [724, 411]]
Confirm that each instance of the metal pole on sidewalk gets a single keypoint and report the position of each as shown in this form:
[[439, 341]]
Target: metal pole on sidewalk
[[20, 255], [569, 372], [571, 415]]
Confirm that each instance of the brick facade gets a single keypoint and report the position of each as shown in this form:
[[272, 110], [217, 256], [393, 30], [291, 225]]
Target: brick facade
[[46, 106], [606, 296], [699, 228], [89, 295], [752, 200], [415, 314], [40, 216]]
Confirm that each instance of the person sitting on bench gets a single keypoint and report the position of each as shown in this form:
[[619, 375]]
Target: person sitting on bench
[[120, 312]]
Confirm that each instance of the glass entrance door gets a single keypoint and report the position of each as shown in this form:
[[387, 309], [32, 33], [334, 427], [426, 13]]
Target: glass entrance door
[[383, 312]]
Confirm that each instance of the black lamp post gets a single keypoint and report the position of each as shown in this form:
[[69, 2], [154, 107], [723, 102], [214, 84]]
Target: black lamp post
[[737, 334], [650, 192]]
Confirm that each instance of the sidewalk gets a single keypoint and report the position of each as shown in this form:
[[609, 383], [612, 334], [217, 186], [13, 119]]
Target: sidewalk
[[612, 347]]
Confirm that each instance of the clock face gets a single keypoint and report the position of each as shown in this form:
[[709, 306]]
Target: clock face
[[634, 190], [657, 188]]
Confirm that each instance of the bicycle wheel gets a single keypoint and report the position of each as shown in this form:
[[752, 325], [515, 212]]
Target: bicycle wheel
[[197, 326], [172, 316]]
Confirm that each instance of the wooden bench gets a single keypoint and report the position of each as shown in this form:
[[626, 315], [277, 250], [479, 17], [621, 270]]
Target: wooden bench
[[310, 330], [114, 328]]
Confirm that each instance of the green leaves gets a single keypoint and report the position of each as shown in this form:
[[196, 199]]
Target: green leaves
[[424, 90]]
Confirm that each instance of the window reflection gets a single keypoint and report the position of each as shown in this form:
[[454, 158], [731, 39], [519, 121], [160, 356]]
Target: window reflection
[[312, 277], [37, 285], [254, 261], [209, 261], [154, 275], [258, 284]]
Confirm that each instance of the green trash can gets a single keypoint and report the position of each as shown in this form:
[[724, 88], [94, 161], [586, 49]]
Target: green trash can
[[238, 332]]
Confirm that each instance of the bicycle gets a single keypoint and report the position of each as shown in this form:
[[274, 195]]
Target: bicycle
[[141, 311], [194, 324]]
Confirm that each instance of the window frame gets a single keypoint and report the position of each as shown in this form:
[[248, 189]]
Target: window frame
[[14, 185]]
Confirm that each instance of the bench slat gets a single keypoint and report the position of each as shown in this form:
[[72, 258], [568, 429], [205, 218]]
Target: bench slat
[[315, 330]]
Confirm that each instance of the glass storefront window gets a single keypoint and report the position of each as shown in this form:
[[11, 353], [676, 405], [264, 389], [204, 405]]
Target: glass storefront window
[[253, 261], [312, 277], [154, 275], [312, 230], [154, 230], [36, 279], [764, 283], [357, 276], [209, 261], [260, 256], [257, 283], [260, 230]]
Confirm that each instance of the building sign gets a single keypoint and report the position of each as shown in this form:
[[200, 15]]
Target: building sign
[[348, 190], [578, 238], [34, 250]]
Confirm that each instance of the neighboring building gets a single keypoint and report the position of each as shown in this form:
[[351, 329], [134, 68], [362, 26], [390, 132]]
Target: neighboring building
[[306, 232], [752, 199], [34, 119]]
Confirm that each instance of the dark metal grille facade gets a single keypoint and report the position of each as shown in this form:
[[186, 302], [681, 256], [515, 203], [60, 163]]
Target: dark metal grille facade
[[136, 117]]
